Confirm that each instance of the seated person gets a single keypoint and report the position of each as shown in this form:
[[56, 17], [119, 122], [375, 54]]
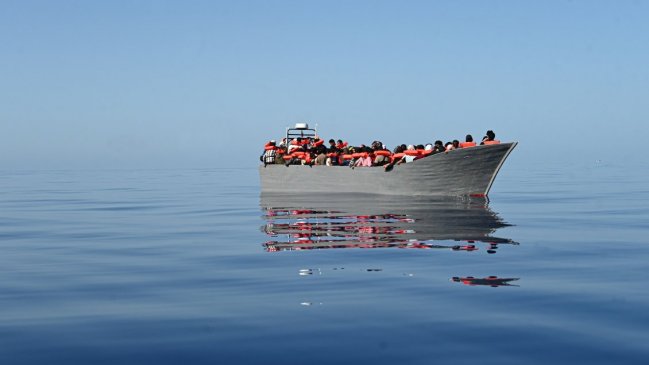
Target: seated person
[[490, 137], [270, 153], [468, 142]]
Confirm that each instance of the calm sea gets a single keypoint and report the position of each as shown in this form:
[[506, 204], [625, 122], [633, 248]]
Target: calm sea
[[196, 267]]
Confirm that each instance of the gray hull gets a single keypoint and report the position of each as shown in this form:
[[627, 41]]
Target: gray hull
[[468, 171]]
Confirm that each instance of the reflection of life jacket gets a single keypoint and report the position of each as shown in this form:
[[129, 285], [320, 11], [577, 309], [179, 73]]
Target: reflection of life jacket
[[464, 248], [467, 144], [495, 141]]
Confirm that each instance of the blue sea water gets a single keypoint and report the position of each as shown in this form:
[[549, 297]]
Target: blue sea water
[[195, 267]]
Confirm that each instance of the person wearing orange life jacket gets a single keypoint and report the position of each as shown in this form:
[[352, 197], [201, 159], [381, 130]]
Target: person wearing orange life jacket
[[332, 154], [270, 153], [469, 142], [490, 138], [294, 145], [319, 151]]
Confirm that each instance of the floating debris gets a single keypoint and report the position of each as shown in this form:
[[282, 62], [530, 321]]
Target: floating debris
[[305, 272]]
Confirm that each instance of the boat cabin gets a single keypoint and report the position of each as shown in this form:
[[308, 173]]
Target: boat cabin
[[301, 130]]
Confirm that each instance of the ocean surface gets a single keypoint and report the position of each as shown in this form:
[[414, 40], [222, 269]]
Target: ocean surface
[[196, 267]]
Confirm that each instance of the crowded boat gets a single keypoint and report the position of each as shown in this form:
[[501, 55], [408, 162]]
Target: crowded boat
[[312, 150]]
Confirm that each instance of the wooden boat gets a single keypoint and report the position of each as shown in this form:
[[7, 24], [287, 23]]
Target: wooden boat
[[466, 171]]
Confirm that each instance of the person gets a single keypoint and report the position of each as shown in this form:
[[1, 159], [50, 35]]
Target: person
[[282, 144], [364, 161], [332, 154], [397, 157], [408, 157], [438, 147], [270, 153], [468, 142], [382, 156], [332, 146], [296, 145], [319, 151], [489, 138], [448, 146]]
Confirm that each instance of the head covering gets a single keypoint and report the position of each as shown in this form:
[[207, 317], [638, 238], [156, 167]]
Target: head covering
[[411, 147]]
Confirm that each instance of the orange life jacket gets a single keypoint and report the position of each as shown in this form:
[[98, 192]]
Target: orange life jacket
[[397, 157], [495, 141], [467, 144]]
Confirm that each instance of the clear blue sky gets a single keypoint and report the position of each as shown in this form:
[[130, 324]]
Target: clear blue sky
[[156, 84]]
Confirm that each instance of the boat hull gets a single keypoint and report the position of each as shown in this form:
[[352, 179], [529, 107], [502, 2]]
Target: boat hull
[[467, 171]]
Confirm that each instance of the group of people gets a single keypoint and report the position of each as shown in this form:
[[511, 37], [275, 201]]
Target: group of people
[[313, 151]]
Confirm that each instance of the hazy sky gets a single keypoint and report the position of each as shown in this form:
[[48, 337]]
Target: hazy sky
[[156, 84]]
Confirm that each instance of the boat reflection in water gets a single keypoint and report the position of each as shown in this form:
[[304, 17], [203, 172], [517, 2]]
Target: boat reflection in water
[[379, 221], [493, 281]]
